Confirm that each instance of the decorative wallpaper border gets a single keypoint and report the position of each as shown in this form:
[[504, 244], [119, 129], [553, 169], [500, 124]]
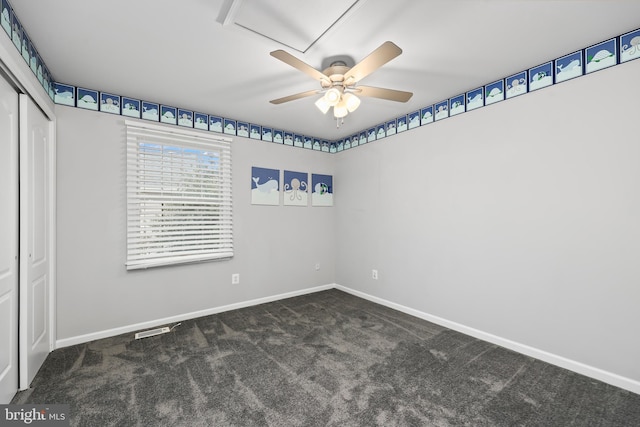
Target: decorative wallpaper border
[[614, 51], [91, 99], [608, 53], [18, 35]]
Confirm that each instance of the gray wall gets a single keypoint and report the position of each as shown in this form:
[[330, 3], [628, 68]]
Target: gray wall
[[276, 247], [520, 219]]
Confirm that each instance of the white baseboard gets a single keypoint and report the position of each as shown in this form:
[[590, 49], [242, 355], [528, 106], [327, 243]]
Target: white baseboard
[[572, 365], [80, 339], [563, 362]]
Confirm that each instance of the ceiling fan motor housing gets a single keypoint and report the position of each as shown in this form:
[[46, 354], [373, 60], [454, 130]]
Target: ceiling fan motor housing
[[335, 72]]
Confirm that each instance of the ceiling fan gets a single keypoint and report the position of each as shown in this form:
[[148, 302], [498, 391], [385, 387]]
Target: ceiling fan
[[339, 82]]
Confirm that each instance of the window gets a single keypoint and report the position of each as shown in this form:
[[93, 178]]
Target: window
[[178, 196]]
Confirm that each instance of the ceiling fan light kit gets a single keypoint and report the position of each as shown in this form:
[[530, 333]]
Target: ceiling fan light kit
[[340, 111], [323, 105], [338, 81], [332, 96], [352, 101]]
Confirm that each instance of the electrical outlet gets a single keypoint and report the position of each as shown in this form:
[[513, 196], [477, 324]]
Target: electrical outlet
[[235, 279], [374, 274], [317, 266]]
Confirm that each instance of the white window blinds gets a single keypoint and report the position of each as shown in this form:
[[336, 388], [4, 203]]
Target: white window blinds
[[178, 196]]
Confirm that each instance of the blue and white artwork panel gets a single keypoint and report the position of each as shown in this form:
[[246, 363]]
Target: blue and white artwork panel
[[380, 131], [516, 84], [215, 124], [17, 33], [630, 46], [52, 93], [296, 188], [541, 76], [569, 66], [456, 105], [150, 111], [414, 120], [494, 92], [243, 129], [601, 56], [340, 145], [392, 127], [168, 114], [5, 17], [64, 94], [230, 126], [131, 107], [87, 99], [347, 143], [39, 69], [185, 118], [363, 138], [402, 123], [201, 121], [333, 147], [475, 99], [442, 110], [267, 134], [255, 131], [298, 140], [371, 135], [426, 115], [26, 43], [278, 136], [33, 60], [309, 142], [288, 138], [325, 147], [109, 103], [322, 187], [46, 77], [265, 186]]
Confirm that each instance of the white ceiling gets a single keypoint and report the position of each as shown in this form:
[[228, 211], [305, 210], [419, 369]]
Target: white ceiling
[[191, 54]]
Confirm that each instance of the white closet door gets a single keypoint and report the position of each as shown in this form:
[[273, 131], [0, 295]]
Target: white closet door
[[8, 241], [35, 231]]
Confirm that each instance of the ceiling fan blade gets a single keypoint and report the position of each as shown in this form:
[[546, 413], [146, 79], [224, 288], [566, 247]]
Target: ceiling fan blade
[[376, 59], [378, 92], [294, 97], [287, 58]]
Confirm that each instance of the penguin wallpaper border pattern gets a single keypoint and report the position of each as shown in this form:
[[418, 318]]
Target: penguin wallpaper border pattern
[[130, 107], [87, 99], [569, 66], [109, 103], [608, 53], [517, 84], [22, 42]]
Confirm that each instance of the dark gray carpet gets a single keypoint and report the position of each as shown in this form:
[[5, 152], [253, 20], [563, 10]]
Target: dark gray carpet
[[326, 359]]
